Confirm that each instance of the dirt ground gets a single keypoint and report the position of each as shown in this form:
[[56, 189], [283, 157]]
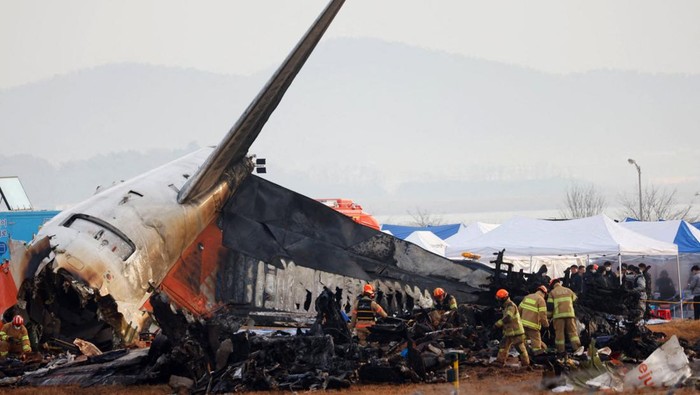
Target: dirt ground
[[473, 379], [685, 329]]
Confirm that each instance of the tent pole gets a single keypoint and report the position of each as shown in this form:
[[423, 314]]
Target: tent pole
[[619, 267], [531, 268], [680, 293]]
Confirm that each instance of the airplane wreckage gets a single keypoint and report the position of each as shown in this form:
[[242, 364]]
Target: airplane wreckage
[[201, 246], [208, 234]]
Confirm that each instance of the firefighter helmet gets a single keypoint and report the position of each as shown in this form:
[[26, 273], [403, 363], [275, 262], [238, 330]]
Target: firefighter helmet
[[18, 320], [542, 288], [368, 289], [501, 294], [439, 293]]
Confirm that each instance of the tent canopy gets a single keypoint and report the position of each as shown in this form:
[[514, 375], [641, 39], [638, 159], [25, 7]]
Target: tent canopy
[[598, 235], [428, 241], [465, 233], [679, 232], [441, 231]]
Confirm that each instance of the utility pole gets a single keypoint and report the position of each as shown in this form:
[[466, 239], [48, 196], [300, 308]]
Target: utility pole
[[639, 174]]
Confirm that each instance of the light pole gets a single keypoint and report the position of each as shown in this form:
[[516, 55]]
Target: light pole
[[639, 174]]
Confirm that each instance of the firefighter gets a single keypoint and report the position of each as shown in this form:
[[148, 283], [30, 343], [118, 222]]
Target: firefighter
[[14, 338], [533, 310], [513, 333], [365, 313], [443, 300], [560, 307]]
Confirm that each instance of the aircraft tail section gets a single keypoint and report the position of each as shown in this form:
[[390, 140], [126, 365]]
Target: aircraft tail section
[[241, 136]]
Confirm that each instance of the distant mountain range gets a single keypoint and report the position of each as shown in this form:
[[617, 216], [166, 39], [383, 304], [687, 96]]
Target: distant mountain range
[[391, 126]]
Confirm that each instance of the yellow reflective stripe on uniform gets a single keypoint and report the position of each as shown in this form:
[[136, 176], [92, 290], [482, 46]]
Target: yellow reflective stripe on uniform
[[562, 299], [529, 308], [531, 324], [3, 353], [25, 337], [566, 314], [542, 309], [26, 347]]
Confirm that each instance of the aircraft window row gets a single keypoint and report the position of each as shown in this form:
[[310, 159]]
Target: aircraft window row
[[108, 236]]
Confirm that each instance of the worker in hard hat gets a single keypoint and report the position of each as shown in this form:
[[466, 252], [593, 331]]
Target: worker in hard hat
[[443, 300], [513, 332], [14, 338], [533, 311], [365, 313], [560, 304]]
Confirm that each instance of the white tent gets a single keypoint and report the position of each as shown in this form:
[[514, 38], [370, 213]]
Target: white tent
[[597, 235], [679, 232], [428, 241], [465, 233], [530, 243]]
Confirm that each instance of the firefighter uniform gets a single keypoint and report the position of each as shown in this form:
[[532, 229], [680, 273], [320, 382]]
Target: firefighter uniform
[[533, 311], [447, 303], [14, 340], [513, 334], [364, 316], [561, 301]]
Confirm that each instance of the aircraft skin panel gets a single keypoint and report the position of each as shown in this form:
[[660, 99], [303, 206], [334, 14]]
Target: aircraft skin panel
[[145, 210], [273, 224], [209, 276], [191, 283], [236, 143]]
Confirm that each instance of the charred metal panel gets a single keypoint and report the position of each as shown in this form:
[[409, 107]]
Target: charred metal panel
[[265, 221]]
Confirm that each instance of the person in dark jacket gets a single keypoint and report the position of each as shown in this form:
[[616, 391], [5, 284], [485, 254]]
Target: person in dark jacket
[[589, 278], [610, 279], [694, 288], [644, 271], [576, 280], [665, 287], [637, 284], [539, 278]]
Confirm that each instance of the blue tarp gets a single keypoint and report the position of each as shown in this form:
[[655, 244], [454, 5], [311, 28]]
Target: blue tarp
[[441, 231], [685, 240], [681, 233]]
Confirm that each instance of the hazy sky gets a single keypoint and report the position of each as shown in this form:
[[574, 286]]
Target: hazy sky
[[42, 39], [39, 39]]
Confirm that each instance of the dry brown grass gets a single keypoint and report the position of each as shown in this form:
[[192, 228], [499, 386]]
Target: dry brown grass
[[685, 329]]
